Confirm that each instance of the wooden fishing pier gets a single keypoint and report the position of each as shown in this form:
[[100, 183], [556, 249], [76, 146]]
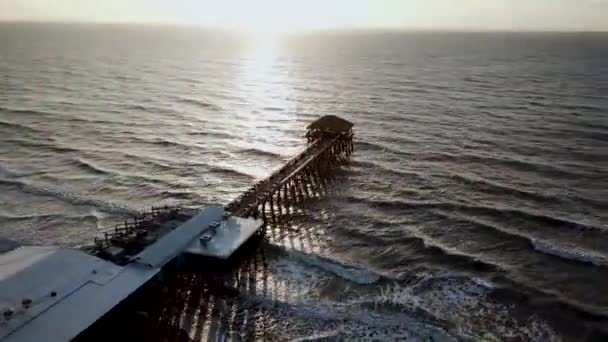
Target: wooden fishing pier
[[330, 143], [127, 258], [305, 176]]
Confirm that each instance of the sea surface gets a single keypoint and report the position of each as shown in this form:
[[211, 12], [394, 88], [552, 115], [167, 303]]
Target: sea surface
[[475, 206]]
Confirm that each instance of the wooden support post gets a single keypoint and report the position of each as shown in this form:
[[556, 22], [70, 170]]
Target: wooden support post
[[309, 181], [319, 179], [313, 182], [287, 199], [299, 187], [279, 201], [305, 186], [264, 212], [294, 192], [272, 209]]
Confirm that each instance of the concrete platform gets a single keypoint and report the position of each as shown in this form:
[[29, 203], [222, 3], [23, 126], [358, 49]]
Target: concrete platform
[[224, 238]]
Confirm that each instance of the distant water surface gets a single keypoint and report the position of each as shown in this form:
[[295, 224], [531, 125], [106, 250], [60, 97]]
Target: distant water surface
[[476, 205]]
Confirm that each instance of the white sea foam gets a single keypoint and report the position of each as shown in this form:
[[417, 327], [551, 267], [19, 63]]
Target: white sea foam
[[348, 271], [466, 304]]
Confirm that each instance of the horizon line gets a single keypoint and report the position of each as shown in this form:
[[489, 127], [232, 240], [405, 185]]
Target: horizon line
[[296, 31]]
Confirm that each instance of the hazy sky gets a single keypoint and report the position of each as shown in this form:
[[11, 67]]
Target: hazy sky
[[282, 15]]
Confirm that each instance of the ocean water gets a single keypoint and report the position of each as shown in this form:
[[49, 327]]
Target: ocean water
[[475, 206]]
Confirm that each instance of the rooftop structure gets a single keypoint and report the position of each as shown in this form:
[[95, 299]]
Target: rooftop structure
[[328, 126]]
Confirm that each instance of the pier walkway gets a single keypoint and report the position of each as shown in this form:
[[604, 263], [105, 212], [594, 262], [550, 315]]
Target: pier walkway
[[299, 178]]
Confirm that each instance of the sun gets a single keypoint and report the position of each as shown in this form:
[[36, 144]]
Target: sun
[[264, 27], [264, 18], [268, 18]]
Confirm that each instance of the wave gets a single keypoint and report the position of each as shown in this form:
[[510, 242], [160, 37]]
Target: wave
[[164, 142], [348, 271], [430, 251], [377, 147], [20, 142], [19, 127], [6, 172], [586, 107], [465, 305], [128, 178], [465, 158], [315, 320], [208, 133], [473, 181], [570, 252], [551, 247], [69, 197], [7, 245], [60, 219], [418, 249], [140, 107], [90, 167], [87, 121], [24, 112], [180, 195], [437, 304], [260, 153], [199, 103], [498, 188], [516, 164], [426, 252], [477, 209], [157, 163], [272, 109], [489, 185], [385, 170], [232, 173]]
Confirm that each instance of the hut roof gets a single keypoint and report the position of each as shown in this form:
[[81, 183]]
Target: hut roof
[[331, 122]]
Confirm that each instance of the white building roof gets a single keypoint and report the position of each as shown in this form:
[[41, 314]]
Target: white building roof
[[52, 294]]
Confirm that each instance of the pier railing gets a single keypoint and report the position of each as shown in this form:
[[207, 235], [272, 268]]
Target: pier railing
[[135, 227]]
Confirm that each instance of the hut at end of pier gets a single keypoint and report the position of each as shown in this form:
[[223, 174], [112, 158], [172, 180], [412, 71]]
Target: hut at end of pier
[[328, 126]]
